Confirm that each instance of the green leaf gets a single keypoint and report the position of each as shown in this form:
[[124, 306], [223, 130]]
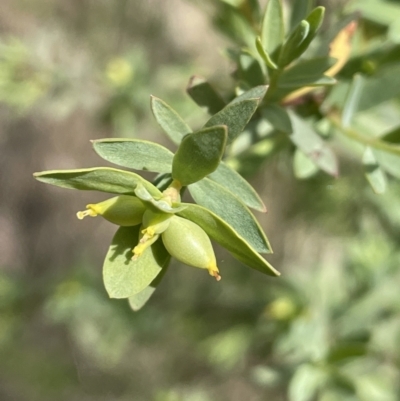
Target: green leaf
[[278, 117], [205, 95], [199, 154], [273, 29], [137, 301], [311, 144], [237, 185], [223, 203], [123, 276], [389, 162], [375, 175], [307, 73], [299, 10], [258, 92], [392, 136], [221, 232], [352, 101], [169, 120], [306, 382], [302, 165], [249, 69], [383, 86], [135, 153], [235, 116], [291, 50], [315, 19], [265, 56], [102, 179], [142, 193]]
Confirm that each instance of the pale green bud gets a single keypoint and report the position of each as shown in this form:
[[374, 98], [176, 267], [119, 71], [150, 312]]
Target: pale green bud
[[190, 244], [123, 210]]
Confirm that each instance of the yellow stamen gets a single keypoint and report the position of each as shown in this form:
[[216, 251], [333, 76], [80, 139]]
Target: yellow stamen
[[88, 212], [146, 241]]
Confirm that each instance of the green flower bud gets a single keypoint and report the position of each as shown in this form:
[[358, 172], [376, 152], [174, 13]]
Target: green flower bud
[[154, 223], [189, 243], [123, 210]]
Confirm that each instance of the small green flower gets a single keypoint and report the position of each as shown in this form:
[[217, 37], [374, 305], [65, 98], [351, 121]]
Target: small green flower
[[122, 210]]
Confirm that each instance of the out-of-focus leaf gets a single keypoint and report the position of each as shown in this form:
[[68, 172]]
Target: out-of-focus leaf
[[235, 116], [221, 232], [302, 165], [388, 162], [306, 73], [375, 175], [278, 117], [135, 153], [306, 382], [235, 183], [273, 28], [123, 276], [393, 136], [314, 19], [299, 11], [223, 203], [137, 301], [200, 90], [102, 179], [265, 56], [199, 154], [249, 70], [383, 86], [291, 49], [311, 144], [169, 120], [353, 99]]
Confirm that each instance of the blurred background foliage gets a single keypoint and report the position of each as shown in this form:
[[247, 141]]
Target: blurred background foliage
[[327, 330]]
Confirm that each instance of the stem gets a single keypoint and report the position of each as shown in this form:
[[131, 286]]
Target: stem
[[334, 118]]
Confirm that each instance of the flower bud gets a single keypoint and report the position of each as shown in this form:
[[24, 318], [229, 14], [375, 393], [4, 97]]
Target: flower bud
[[123, 210], [189, 243], [154, 223]]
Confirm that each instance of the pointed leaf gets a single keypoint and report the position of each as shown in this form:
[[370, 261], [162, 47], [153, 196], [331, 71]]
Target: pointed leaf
[[308, 141], [137, 301], [102, 179], [258, 92], [135, 153], [221, 232], [306, 73], [299, 11], [223, 203], [265, 56], [199, 154], [169, 120], [235, 116], [273, 29], [278, 117], [123, 276], [352, 100], [205, 95], [315, 19], [302, 165], [291, 50], [237, 185], [392, 136], [375, 175]]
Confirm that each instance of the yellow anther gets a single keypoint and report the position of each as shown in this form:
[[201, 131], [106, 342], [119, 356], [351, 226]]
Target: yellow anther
[[88, 212]]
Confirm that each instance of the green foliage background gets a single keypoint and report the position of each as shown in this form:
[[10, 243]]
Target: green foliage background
[[328, 329]]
